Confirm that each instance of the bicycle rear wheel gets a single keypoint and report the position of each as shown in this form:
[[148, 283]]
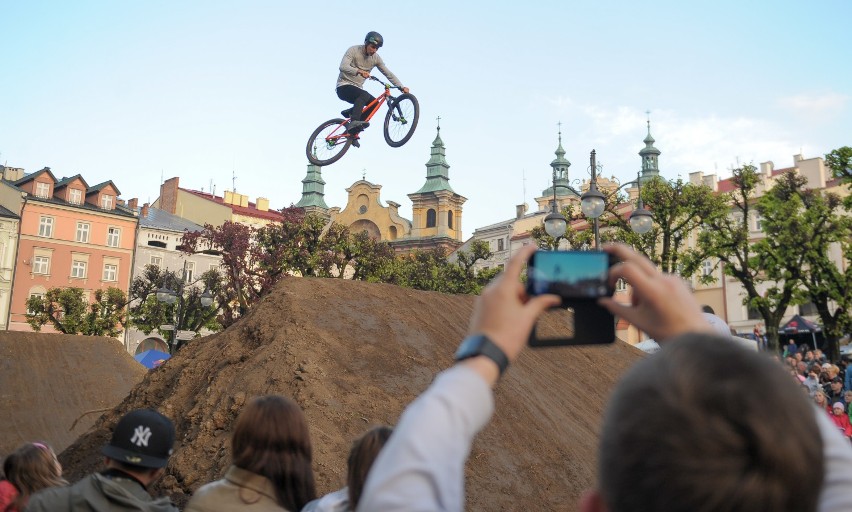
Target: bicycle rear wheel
[[328, 143], [401, 120]]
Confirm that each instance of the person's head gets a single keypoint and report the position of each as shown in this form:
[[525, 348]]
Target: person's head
[[31, 468], [364, 451], [271, 439], [847, 395], [809, 355], [837, 409], [372, 42], [802, 368], [707, 436], [798, 357], [820, 398], [836, 385], [141, 444]]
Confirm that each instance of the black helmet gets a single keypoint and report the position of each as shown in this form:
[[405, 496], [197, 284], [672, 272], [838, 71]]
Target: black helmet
[[374, 38]]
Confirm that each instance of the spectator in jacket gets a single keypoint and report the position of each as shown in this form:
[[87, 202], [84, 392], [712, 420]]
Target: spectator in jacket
[[271, 462], [364, 451], [839, 417], [30, 468], [422, 465], [135, 457]]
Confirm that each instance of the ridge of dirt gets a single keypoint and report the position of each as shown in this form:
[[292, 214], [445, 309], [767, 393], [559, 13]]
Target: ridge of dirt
[[47, 381], [353, 355]]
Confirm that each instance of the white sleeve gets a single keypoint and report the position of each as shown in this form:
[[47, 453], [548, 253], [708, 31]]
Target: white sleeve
[[421, 468], [836, 495]]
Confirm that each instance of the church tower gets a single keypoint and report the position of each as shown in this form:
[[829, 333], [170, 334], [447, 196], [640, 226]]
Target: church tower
[[650, 155], [565, 194], [313, 192], [436, 207]]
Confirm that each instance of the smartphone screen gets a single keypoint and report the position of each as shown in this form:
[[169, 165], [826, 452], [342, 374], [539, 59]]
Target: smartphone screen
[[569, 274]]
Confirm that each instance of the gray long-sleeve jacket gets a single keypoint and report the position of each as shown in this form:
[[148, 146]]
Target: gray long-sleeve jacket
[[356, 59]]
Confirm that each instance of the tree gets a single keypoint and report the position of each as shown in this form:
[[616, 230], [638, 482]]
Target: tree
[[147, 313], [68, 312], [840, 162], [772, 270]]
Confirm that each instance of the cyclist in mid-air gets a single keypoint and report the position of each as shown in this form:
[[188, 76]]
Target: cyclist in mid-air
[[355, 67]]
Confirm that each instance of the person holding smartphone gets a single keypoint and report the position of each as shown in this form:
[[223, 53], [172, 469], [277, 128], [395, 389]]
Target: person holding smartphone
[[422, 466]]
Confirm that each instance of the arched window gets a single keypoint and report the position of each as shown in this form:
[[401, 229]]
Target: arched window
[[431, 218], [450, 219]]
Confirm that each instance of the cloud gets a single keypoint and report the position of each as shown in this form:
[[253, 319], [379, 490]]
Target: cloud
[[828, 102]]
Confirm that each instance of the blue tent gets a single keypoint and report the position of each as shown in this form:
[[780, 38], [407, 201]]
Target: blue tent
[[151, 358]]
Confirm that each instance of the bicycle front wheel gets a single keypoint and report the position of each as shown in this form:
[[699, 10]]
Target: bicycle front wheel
[[401, 120], [328, 143]]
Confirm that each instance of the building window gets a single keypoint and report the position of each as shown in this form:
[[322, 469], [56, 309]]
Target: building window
[[157, 261], [83, 232], [808, 309], [75, 196], [753, 313], [758, 222], [450, 219], [707, 268], [45, 227], [113, 237], [499, 244], [41, 265], [42, 190], [431, 218], [78, 269], [190, 271], [110, 272], [34, 294], [621, 285], [106, 202]]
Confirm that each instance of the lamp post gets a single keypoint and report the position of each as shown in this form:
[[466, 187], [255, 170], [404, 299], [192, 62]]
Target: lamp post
[[169, 296], [593, 204]]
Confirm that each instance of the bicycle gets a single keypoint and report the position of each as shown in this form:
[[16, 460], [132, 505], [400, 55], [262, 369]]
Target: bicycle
[[330, 141]]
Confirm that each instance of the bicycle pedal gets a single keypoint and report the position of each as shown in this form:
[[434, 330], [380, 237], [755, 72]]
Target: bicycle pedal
[[356, 143]]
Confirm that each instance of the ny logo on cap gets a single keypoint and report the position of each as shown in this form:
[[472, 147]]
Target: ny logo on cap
[[141, 435]]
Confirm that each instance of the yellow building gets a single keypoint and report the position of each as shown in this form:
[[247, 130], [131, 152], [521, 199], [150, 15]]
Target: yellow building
[[207, 208]]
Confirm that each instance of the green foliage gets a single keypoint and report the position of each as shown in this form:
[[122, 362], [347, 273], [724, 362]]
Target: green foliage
[[147, 313], [573, 238], [67, 311], [432, 270], [840, 163]]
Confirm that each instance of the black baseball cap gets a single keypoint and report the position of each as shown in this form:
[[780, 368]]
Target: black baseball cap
[[142, 438]]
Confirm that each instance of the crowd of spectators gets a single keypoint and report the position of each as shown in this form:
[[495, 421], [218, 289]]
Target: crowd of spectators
[[704, 424], [827, 384]]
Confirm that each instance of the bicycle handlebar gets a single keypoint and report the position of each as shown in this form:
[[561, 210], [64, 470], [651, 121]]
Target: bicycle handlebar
[[387, 85]]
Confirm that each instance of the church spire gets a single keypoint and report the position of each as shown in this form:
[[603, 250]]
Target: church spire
[[649, 154], [313, 190], [437, 168], [560, 165]]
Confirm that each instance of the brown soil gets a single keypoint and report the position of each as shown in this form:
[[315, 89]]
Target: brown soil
[[47, 381], [353, 354]]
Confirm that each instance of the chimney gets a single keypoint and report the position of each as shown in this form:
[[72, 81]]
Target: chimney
[[133, 204], [242, 199], [169, 195], [262, 204], [228, 197], [766, 168], [797, 158], [144, 213], [520, 210]]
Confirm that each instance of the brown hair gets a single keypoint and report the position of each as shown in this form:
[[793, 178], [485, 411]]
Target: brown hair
[[364, 451], [31, 468], [271, 439], [701, 426]]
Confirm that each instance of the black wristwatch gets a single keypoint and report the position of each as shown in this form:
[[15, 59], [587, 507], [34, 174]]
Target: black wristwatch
[[481, 345]]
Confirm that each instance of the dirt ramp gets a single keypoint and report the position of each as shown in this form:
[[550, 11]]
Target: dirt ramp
[[353, 354], [48, 380]]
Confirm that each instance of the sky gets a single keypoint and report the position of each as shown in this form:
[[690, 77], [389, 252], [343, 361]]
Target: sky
[[225, 94]]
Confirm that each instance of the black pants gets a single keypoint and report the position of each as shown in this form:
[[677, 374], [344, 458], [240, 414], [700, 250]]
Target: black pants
[[359, 98]]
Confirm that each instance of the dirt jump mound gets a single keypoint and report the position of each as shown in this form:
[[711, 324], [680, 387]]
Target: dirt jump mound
[[353, 355], [48, 381]]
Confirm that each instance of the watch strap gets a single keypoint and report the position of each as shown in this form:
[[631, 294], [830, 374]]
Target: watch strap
[[481, 345]]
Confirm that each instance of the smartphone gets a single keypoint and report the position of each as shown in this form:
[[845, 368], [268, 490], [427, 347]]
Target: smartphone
[[573, 275], [580, 278]]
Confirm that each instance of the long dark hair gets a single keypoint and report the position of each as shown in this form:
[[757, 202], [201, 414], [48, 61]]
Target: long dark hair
[[364, 451], [271, 439], [31, 468]]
